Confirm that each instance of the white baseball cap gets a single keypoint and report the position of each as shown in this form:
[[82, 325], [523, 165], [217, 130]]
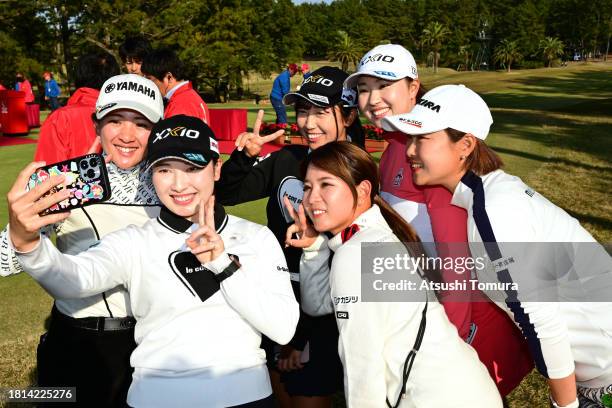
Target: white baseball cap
[[130, 91], [446, 106], [389, 61]]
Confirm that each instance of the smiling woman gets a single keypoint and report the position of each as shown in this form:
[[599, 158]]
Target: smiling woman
[[191, 270], [123, 134], [378, 340], [326, 112], [179, 185], [569, 337], [388, 84], [89, 341]]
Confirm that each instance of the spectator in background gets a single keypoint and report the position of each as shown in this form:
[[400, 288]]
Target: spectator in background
[[23, 85], [52, 90], [305, 70], [166, 70], [133, 52], [280, 88], [69, 131]]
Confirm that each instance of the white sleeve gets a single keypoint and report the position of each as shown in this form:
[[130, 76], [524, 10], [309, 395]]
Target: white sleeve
[[9, 264], [261, 291], [314, 279], [542, 323], [94, 271], [362, 332]]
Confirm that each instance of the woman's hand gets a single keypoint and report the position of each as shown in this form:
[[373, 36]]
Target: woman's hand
[[290, 359], [306, 234], [252, 142], [24, 207], [205, 243]]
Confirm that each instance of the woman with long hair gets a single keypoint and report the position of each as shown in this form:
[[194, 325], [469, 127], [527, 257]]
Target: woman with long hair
[[388, 84], [401, 352], [570, 335], [307, 372]]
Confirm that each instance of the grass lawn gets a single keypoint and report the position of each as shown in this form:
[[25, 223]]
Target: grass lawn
[[552, 128]]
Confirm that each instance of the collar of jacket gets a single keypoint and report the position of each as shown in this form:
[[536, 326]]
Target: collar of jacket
[[179, 225], [463, 196], [368, 218], [398, 136], [184, 86]]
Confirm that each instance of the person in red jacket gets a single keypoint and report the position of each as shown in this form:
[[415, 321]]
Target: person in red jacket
[[69, 131], [23, 85], [165, 69]]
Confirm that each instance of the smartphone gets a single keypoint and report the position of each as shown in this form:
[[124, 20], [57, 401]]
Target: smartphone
[[85, 176]]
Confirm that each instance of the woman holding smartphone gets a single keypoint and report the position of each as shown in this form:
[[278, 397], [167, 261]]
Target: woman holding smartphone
[[89, 340], [570, 338], [403, 353], [203, 285]]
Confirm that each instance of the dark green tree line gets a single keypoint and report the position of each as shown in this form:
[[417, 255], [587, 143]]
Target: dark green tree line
[[221, 40]]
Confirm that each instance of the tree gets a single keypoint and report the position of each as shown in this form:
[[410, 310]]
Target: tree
[[317, 42], [522, 22], [362, 24], [582, 26], [506, 53], [551, 48], [346, 51], [433, 35], [24, 43]]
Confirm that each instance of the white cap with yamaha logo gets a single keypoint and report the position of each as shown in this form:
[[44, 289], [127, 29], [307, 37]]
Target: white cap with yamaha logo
[[447, 106], [130, 91], [184, 138], [388, 61]]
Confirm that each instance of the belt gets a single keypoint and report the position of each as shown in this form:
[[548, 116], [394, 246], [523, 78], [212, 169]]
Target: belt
[[94, 323]]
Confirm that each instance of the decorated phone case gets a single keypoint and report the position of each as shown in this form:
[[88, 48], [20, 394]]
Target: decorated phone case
[[86, 177]]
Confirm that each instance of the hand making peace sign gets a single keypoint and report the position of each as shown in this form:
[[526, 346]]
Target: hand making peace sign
[[252, 141], [205, 243], [306, 234]]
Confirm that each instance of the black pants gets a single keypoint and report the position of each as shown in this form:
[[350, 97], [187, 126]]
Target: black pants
[[53, 103], [97, 363]]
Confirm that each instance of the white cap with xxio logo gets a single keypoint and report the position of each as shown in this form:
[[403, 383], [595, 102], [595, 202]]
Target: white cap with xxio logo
[[389, 61], [447, 106], [130, 91]]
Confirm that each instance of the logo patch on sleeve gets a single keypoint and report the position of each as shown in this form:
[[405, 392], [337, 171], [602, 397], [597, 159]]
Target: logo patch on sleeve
[[342, 315]]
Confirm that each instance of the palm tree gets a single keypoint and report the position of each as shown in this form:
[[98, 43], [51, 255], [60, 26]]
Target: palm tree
[[433, 35], [346, 51], [551, 47], [506, 53]]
